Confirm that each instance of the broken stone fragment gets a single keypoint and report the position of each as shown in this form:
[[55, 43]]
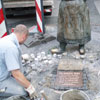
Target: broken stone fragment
[[50, 75], [36, 59], [23, 61], [49, 57], [39, 70], [28, 77], [31, 75], [28, 70], [42, 82], [25, 57], [64, 54], [38, 54], [44, 58], [59, 56], [34, 67], [54, 55], [82, 56], [43, 54], [92, 57], [46, 62], [50, 62], [76, 55], [28, 61], [39, 58], [32, 56]]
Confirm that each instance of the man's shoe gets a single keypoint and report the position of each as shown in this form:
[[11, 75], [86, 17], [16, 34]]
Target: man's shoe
[[57, 51], [81, 49], [62, 47], [60, 51]]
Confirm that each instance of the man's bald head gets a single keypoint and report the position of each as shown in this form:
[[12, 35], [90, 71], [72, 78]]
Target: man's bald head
[[21, 29], [21, 32]]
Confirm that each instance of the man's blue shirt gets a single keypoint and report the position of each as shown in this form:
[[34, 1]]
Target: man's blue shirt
[[10, 56]]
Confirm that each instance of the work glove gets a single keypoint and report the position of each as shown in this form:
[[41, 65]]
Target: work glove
[[32, 92]]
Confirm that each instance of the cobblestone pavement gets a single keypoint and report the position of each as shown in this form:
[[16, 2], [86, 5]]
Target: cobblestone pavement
[[90, 60]]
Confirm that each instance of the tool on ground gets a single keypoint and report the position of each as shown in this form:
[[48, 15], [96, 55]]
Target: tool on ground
[[43, 94], [3, 90]]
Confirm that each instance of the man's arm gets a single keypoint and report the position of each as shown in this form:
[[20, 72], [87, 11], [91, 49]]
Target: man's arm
[[20, 78], [24, 82]]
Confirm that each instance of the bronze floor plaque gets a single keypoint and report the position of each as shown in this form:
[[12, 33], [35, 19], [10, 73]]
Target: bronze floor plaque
[[69, 79], [70, 74]]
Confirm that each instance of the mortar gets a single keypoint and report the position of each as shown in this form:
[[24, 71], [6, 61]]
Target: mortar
[[74, 95]]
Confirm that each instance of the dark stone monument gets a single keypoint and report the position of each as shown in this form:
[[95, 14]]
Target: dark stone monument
[[73, 24]]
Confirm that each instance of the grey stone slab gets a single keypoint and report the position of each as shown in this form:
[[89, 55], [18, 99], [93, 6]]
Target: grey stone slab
[[70, 64], [33, 41]]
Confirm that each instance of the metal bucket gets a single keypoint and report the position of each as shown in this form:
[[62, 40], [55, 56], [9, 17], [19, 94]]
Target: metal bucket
[[74, 95]]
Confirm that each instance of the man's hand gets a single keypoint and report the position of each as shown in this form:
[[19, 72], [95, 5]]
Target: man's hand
[[33, 95], [31, 91]]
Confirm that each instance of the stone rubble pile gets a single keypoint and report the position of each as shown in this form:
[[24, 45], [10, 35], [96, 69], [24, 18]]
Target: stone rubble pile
[[39, 63]]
